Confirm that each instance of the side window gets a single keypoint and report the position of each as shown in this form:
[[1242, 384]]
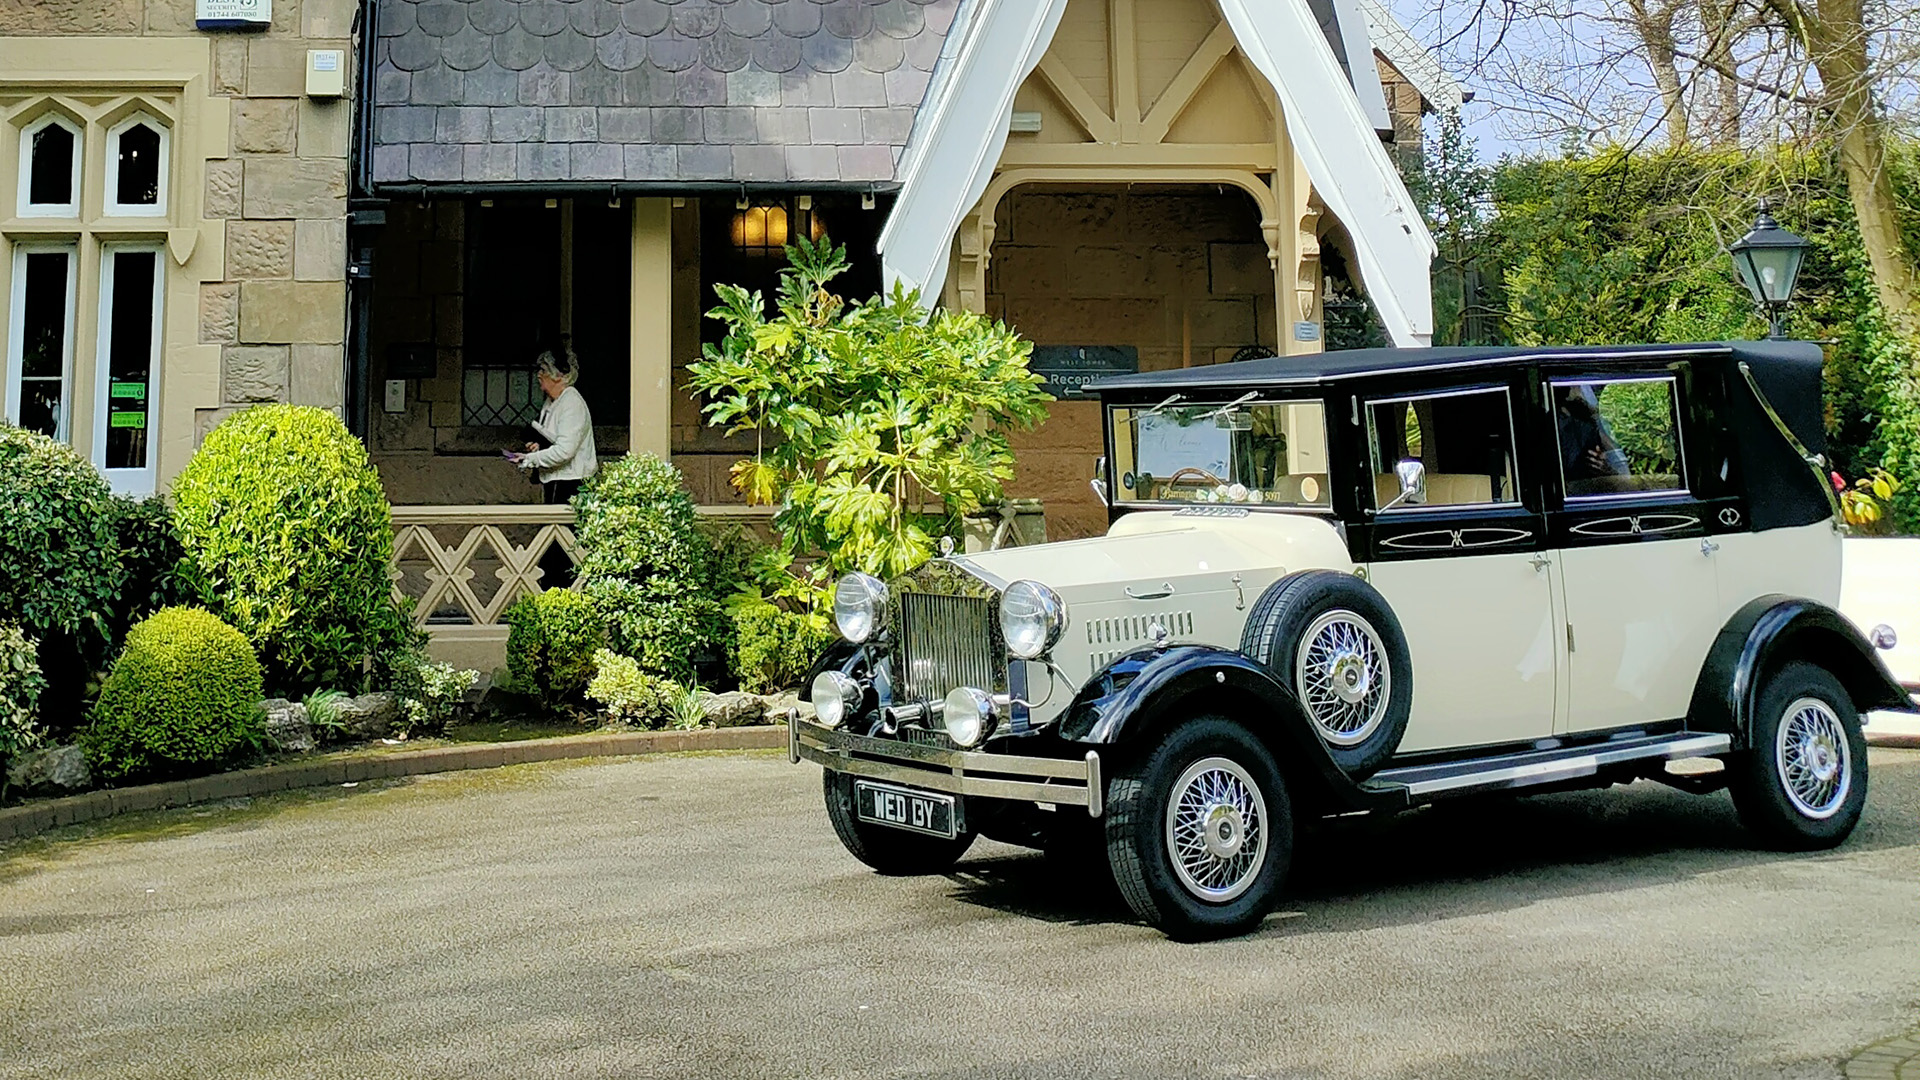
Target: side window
[[1463, 439], [137, 168], [50, 169], [1617, 436]]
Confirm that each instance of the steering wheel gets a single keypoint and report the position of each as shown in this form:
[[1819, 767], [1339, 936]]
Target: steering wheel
[[1191, 475]]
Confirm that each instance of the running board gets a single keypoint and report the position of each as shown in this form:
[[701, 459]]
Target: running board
[[1534, 767]]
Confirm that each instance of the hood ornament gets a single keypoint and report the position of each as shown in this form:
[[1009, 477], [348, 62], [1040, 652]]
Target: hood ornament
[[1157, 630]]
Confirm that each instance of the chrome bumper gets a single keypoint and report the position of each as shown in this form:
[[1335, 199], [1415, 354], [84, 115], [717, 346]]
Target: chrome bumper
[[1063, 782]]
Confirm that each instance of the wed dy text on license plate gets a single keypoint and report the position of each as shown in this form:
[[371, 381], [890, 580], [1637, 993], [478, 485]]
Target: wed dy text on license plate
[[904, 808]]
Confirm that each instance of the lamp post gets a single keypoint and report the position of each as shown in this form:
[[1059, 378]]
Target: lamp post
[[1768, 260]]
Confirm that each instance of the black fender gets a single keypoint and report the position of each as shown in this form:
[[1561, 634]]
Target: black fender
[[1131, 700], [1772, 630]]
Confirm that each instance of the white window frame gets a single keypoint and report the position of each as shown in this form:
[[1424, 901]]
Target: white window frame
[[144, 480], [116, 208], [69, 209], [16, 332]]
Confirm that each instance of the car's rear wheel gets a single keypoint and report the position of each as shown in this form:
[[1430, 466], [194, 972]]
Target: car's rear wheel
[[887, 849], [1333, 639], [1802, 782], [1200, 831]]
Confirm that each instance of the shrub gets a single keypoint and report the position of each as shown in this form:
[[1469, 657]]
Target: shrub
[[635, 521], [183, 695], [864, 413], [664, 626], [20, 687], [648, 566], [775, 649], [59, 559], [155, 570], [428, 692], [630, 695], [551, 640], [290, 533]]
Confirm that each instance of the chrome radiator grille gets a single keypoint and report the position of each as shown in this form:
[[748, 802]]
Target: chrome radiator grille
[[947, 641]]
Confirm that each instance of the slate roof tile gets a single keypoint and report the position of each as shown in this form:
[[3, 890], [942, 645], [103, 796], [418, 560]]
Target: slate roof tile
[[665, 90]]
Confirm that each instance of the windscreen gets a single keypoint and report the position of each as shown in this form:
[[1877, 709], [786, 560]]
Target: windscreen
[[1248, 453]]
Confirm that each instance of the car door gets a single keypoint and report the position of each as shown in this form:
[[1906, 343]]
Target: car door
[[1466, 570], [1636, 560]]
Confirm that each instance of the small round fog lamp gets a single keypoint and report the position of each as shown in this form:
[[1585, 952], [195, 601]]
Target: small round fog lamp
[[969, 716], [834, 696]]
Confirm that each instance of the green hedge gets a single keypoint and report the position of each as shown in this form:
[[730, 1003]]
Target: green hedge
[[60, 572], [183, 697], [551, 639], [630, 695], [775, 649], [648, 566], [20, 687], [290, 535]]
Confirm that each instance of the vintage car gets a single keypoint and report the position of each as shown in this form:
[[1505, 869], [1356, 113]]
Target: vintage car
[[1361, 582]]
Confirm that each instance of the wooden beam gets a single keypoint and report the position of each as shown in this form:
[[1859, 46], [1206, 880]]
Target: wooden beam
[[1125, 52], [1181, 91], [650, 341], [1072, 93], [1251, 157]]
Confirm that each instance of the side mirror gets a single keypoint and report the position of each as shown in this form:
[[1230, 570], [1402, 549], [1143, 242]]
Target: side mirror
[[1099, 481], [1413, 484]]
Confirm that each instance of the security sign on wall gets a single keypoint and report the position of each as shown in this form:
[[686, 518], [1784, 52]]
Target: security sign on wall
[[232, 14]]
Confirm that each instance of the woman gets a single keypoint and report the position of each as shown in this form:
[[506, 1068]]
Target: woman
[[567, 428], [568, 457]]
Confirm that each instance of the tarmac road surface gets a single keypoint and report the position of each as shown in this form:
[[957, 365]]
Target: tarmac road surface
[[695, 917]]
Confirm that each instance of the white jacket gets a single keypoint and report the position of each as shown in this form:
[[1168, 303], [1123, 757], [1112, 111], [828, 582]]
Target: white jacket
[[568, 426]]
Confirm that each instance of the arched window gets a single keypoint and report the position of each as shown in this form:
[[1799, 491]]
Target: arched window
[[50, 168], [137, 167]]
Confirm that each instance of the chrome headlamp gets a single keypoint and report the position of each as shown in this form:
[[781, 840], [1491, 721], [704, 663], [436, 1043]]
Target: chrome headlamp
[[835, 696], [859, 606], [969, 715], [1032, 618]]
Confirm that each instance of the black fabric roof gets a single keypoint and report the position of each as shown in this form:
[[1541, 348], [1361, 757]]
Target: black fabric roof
[[1313, 368]]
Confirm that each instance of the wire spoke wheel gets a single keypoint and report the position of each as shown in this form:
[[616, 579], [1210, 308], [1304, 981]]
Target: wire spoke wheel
[[1813, 758], [1343, 678], [1216, 829]]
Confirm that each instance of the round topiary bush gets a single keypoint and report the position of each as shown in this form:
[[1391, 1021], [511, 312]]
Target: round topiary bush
[[290, 535], [635, 521], [60, 570], [551, 639], [183, 696]]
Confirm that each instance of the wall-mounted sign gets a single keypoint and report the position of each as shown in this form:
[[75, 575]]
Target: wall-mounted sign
[[1068, 368], [232, 14], [1306, 331]]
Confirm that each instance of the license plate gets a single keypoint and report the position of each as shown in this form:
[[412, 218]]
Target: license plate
[[905, 808]]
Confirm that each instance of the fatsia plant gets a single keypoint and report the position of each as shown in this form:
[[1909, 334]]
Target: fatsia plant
[[877, 423]]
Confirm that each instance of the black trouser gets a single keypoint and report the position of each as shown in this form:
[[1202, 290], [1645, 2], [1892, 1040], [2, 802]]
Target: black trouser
[[556, 568]]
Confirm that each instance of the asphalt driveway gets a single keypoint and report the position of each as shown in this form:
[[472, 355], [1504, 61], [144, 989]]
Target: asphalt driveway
[[694, 917]]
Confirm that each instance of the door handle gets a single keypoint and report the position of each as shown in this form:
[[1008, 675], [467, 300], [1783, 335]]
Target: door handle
[[1540, 562], [1166, 590], [1708, 547]]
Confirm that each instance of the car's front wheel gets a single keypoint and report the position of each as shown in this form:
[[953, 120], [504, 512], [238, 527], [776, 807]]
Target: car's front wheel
[[1802, 782], [1200, 831], [887, 849]]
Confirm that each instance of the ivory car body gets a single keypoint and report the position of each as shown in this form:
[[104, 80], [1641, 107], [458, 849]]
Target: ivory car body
[[1361, 582]]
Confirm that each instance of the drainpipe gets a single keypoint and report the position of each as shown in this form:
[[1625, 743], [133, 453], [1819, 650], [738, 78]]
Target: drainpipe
[[365, 215]]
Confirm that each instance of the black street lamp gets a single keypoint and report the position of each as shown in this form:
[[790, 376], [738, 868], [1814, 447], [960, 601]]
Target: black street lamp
[[1768, 260]]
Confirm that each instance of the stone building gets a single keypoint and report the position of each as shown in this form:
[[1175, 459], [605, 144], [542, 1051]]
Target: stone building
[[195, 221], [173, 209]]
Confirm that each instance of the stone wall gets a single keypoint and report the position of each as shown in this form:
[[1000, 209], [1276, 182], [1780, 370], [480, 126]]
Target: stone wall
[[269, 178], [1180, 274]]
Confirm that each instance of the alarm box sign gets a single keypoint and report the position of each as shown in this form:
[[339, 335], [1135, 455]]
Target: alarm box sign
[[232, 14]]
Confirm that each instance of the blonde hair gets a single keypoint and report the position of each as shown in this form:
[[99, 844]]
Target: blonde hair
[[565, 366]]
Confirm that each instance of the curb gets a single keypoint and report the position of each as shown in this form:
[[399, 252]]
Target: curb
[[23, 821]]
